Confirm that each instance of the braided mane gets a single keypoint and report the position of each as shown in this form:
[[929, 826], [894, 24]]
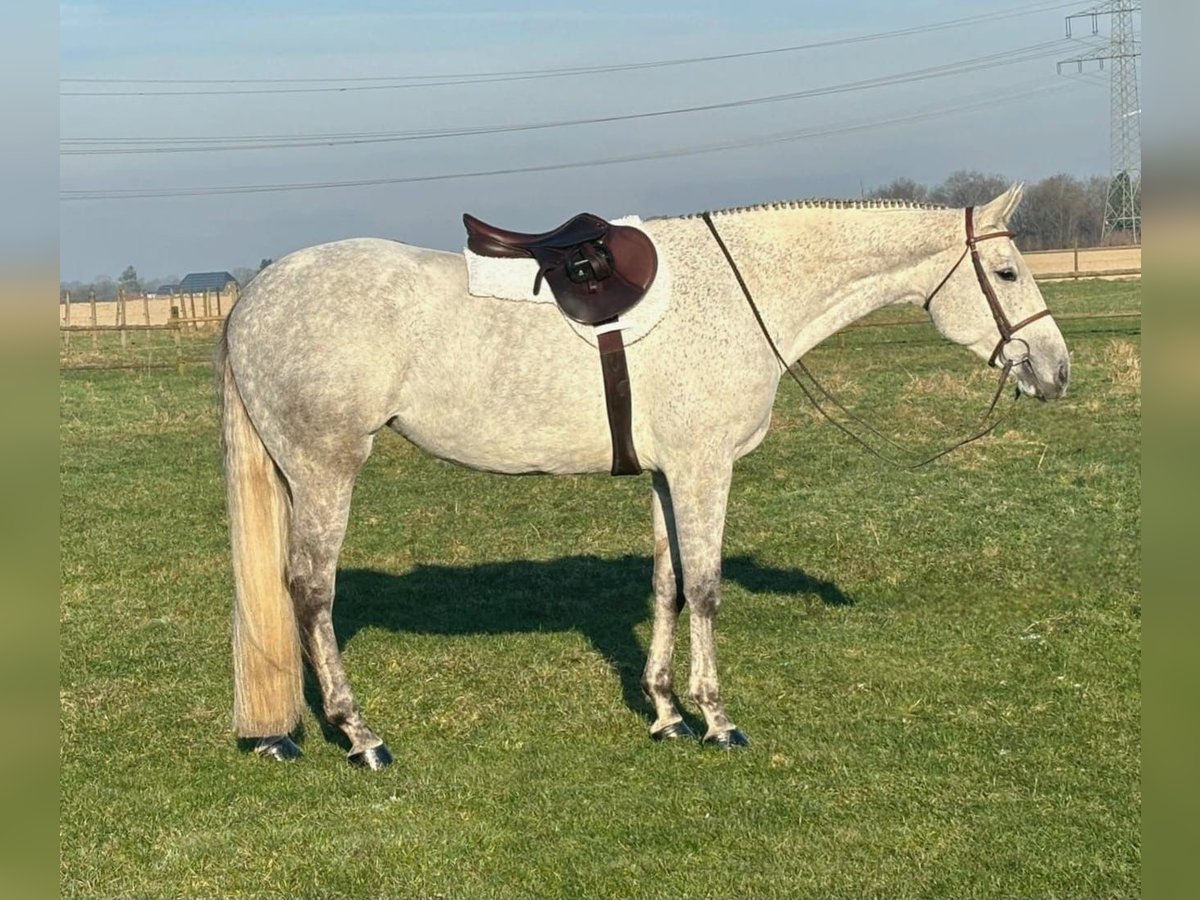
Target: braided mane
[[821, 204]]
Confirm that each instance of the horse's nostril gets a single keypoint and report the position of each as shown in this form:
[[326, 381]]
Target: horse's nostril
[[1064, 372]]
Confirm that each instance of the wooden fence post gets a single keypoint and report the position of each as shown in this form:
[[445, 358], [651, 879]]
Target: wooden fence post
[[121, 308], [178, 350], [67, 312], [92, 303], [146, 307]]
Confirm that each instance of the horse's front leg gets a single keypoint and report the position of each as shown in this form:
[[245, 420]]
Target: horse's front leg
[[656, 680], [699, 498]]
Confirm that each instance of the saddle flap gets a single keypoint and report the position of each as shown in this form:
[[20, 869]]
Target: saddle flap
[[634, 263]]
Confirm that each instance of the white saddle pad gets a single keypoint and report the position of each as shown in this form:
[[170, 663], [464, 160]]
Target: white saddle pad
[[512, 279]]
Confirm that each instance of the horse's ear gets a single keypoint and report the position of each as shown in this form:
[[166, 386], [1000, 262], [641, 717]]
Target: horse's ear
[[999, 212]]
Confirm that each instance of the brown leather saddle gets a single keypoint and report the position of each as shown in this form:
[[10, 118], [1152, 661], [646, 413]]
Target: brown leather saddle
[[597, 271]]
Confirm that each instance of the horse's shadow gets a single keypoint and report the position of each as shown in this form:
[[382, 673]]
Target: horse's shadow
[[603, 599]]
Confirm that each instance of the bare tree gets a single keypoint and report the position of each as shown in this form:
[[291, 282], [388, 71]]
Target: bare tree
[[900, 189], [1050, 213], [967, 187], [1096, 189], [104, 286], [1062, 211], [153, 284]]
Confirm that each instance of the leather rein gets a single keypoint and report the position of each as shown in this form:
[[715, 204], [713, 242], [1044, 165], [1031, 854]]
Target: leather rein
[[1001, 352]]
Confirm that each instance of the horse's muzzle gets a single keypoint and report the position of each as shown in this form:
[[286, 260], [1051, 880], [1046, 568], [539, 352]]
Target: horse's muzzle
[[1046, 382]]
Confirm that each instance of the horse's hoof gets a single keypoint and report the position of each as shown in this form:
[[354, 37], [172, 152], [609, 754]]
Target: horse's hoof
[[728, 740], [674, 732], [281, 748], [373, 758]]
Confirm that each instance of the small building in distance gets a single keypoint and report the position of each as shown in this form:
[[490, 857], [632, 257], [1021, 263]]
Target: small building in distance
[[163, 290], [199, 282]]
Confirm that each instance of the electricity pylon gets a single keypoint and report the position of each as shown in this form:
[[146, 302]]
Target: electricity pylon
[[1123, 207]]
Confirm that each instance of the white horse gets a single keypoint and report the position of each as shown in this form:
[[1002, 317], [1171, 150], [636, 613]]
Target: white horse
[[333, 343]]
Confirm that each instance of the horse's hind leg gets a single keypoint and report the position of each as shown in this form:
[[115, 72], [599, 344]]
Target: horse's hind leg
[[320, 512], [656, 680]]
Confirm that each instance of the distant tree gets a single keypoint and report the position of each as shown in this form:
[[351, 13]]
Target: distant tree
[[264, 262], [128, 281], [244, 274], [1096, 190], [153, 284], [969, 188], [900, 189], [104, 286], [1052, 213]]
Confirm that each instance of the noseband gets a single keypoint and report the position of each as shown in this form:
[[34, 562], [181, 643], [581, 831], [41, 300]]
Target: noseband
[[1003, 325]]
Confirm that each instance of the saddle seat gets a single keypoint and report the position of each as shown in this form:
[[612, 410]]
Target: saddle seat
[[596, 270], [488, 240]]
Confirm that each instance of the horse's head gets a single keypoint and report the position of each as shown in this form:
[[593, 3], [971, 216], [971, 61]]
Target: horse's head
[[990, 303]]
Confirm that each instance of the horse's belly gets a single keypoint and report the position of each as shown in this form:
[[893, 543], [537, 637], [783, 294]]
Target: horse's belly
[[510, 425]]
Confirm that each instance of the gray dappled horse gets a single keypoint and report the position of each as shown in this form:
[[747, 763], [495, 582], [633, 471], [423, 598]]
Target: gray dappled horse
[[333, 343]]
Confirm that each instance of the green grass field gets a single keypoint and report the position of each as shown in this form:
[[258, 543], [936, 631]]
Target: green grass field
[[939, 671]]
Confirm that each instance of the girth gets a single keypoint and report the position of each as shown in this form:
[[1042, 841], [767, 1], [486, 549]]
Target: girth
[[597, 271]]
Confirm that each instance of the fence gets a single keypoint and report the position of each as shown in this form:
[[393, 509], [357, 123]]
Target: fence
[[157, 323], [142, 309], [1086, 262]]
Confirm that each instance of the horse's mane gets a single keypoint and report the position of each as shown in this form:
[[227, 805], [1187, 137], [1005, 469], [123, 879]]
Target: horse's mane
[[814, 203]]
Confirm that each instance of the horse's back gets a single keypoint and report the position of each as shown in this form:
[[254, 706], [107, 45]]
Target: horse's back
[[340, 287]]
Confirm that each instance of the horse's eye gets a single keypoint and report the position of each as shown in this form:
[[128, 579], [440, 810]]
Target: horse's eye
[[1008, 273]]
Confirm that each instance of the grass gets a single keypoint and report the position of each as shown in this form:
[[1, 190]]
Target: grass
[[939, 670]]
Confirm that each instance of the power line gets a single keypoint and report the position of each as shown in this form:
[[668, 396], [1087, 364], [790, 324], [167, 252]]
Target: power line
[[401, 82], [759, 141], [117, 146]]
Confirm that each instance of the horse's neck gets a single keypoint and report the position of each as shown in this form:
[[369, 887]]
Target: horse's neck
[[814, 270]]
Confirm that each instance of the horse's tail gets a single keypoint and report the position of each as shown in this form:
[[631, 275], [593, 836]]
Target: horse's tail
[[268, 694]]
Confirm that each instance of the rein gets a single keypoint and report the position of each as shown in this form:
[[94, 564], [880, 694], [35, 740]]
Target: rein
[[1006, 329]]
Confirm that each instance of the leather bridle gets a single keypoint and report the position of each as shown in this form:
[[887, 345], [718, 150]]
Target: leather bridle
[[1003, 325]]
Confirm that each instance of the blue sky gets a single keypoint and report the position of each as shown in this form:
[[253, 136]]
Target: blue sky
[[1022, 135]]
